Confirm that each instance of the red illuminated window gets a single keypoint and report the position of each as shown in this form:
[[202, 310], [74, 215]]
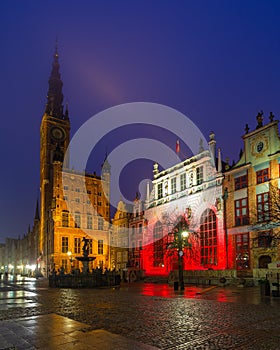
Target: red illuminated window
[[158, 245], [262, 176], [208, 238], [242, 251], [263, 207], [241, 182], [241, 212]]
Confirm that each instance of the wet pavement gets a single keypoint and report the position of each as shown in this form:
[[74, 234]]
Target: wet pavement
[[136, 316]]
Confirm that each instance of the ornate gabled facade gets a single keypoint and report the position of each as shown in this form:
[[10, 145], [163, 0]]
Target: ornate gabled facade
[[193, 186], [119, 242], [68, 213], [136, 229], [252, 205]]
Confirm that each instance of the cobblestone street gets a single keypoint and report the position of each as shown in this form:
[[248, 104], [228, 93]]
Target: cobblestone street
[[155, 315]]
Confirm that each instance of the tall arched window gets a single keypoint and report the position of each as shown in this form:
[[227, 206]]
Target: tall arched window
[[208, 238], [158, 245]]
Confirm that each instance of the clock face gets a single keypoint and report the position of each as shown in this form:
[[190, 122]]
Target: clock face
[[259, 145], [58, 133]]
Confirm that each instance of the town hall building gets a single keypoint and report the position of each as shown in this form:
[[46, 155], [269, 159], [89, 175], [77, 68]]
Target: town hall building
[[62, 230]]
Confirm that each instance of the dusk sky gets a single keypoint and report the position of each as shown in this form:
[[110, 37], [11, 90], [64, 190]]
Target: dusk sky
[[217, 62]]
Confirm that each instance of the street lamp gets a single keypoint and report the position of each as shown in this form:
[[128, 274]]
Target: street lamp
[[180, 241], [225, 198], [69, 253]]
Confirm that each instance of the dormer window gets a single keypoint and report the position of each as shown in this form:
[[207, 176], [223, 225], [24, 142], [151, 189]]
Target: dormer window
[[173, 185], [199, 175], [183, 181], [159, 188]]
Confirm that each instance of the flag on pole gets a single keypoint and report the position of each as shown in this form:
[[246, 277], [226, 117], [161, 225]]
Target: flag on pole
[[177, 146]]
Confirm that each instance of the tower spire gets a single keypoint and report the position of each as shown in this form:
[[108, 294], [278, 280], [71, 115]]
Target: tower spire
[[54, 105], [219, 161], [37, 216]]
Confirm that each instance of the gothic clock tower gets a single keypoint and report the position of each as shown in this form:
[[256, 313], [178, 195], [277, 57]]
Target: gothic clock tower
[[54, 140]]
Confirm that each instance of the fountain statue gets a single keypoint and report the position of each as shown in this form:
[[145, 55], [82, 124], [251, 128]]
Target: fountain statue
[[85, 279], [85, 258]]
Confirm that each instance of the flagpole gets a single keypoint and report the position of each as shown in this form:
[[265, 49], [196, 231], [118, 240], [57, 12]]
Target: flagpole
[[178, 147]]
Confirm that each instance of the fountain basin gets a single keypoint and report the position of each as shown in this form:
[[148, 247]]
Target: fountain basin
[[85, 260]]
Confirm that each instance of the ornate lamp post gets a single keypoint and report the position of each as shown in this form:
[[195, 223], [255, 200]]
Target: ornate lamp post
[[225, 198], [180, 241]]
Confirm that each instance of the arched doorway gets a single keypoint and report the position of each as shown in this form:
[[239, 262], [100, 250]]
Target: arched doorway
[[264, 260]]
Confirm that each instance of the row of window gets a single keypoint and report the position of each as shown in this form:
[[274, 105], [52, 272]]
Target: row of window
[[78, 200], [242, 209], [99, 225], [242, 181], [183, 182], [77, 245], [208, 241], [78, 190], [209, 244]]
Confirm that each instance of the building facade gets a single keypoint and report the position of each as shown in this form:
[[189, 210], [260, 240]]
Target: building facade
[[252, 205], [232, 213], [193, 188], [119, 243], [19, 255], [69, 210], [137, 223]]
